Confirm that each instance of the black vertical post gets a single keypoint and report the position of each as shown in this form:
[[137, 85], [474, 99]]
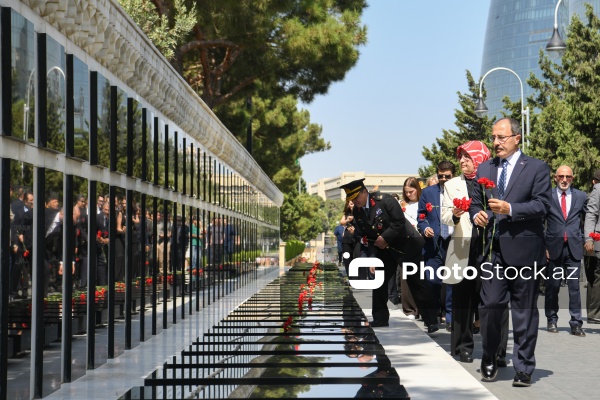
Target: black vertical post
[[39, 281], [67, 277], [174, 260], [143, 269], [183, 166], [70, 109], [156, 147], [91, 273], [128, 265], [114, 119], [93, 121], [154, 261], [6, 96], [130, 124], [112, 239], [176, 162], [166, 157], [145, 134], [4, 272], [41, 92], [165, 263]]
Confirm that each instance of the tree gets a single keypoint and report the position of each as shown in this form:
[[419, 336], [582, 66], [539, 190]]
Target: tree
[[469, 127], [302, 217], [281, 134], [568, 95], [334, 210]]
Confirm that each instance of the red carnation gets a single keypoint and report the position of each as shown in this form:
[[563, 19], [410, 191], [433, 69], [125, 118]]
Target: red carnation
[[364, 241], [456, 202], [26, 254], [99, 235], [428, 207], [595, 236], [403, 209], [421, 217], [372, 202]]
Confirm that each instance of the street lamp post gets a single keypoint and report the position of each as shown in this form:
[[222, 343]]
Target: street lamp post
[[481, 109], [556, 44]]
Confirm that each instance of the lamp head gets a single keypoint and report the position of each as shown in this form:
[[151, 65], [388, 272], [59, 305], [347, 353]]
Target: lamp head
[[556, 45], [480, 109]]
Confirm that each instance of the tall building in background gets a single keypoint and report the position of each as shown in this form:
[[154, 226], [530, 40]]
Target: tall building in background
[[516, 31], [577, 7]]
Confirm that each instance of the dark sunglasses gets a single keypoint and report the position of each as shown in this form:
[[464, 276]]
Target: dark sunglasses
[[444, 176], [564, 176]]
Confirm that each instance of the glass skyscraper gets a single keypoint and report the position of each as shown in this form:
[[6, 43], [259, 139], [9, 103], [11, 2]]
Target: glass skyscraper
[[577, 7], [516, 31]]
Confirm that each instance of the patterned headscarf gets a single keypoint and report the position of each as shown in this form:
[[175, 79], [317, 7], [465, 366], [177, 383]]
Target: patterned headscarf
[[478, 152]]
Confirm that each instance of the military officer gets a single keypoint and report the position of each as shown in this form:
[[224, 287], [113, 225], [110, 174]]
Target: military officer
[[392, 239]]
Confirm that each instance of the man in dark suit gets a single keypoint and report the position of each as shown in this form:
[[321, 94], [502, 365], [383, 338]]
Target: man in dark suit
[[437, 236], [393, 240], [102, 239], [512, 217], [564, 244]]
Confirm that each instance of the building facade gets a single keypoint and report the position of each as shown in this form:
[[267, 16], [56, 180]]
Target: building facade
[[329, 188], [516, 31], [113, 175]]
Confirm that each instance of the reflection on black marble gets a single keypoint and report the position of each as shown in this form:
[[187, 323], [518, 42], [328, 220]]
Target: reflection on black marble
[[276, 346]]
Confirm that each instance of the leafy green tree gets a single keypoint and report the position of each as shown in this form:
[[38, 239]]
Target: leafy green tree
[[468, 127], [334, 210], [566, 129], [282, 134], [302, 217]]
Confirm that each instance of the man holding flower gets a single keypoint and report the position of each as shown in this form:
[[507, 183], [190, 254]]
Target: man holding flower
[[511, 217]]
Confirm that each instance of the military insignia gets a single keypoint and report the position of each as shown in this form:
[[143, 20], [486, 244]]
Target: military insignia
[[380, 226], [372, 202], [378, 212]]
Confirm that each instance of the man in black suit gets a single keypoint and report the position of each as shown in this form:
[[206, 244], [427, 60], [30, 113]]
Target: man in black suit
[[102, 223], [393, 240], [512, 217], [564, 244]]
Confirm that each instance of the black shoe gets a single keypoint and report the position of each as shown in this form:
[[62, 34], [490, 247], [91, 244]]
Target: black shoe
[[552, 328], [501, 362], [488, 370], [432, 328], [449, 326], [593, 320], [466, 357], [376, 324], [577, 331], [522, 379]]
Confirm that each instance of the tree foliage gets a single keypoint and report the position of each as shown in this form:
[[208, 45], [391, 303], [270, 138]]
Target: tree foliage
[[565, 131], [302, 216], [468, 127]]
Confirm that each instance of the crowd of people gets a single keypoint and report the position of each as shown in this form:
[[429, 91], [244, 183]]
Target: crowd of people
[[182, 245], [500, 217]]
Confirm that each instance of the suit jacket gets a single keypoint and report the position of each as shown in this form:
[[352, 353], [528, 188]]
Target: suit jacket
[[556, 226], [385, 218], [528, 191], [430, 194], [592, 214], [460, 244]]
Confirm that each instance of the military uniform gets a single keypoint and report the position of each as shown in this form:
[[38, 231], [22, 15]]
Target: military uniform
[[383, 216]]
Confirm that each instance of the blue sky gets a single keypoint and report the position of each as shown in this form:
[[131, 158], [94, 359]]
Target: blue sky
[[403, 90]]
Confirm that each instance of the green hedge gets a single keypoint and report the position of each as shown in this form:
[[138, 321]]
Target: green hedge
[[293, 248]]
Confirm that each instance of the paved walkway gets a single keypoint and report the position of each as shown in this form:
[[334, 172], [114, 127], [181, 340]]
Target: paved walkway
[[567, 366]]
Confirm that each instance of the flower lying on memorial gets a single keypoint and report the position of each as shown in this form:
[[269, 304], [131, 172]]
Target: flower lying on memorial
[[287, 324]]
